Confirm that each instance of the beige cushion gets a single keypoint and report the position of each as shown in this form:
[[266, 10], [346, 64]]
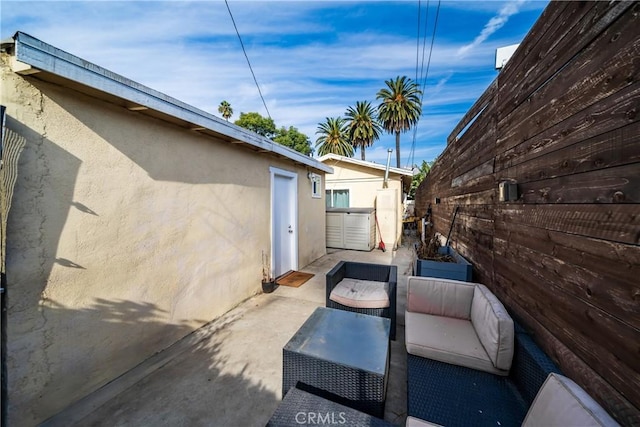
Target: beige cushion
[[440, 297], [494, 327], [417, 422], [448, 340], [361, 293], [561, 402]]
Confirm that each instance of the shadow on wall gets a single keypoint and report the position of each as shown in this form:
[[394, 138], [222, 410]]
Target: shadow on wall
[[166, 152], [34, 225], [193, 384], [56, 353], [233, 176]]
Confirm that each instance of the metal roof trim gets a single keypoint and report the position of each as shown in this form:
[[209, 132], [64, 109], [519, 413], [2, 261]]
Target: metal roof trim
[[364, 163], [50, 59]]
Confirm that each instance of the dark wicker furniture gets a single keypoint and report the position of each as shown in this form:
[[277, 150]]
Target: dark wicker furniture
[[365, 271], [458, 396], [341, 356], [300, 407]]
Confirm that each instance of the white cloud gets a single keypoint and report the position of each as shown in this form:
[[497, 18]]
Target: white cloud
[[309, 67], [492, 26]]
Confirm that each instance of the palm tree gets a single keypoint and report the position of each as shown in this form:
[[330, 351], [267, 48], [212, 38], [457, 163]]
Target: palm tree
[[400, 108], [225, 109], [333, 138], [362, 126]]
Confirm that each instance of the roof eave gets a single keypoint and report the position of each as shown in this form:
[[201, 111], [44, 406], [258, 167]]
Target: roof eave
[[33, 56], [364, 163]]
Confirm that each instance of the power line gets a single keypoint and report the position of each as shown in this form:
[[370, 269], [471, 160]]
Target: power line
[[424, 81], [248, 62], [418, 40], [419, 76]]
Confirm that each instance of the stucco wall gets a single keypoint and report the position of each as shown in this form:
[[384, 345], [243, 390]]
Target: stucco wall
[[126, 233], [363, 184]]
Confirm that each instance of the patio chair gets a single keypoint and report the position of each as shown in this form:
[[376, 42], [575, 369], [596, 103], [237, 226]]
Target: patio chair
[[460, 323], [364, 288]]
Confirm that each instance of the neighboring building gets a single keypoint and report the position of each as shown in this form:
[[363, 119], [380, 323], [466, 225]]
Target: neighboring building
[[135, 219], [360, 184]]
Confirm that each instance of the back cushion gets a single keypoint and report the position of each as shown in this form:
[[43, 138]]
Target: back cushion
[[494, 327], [440, 297], [561, 402]]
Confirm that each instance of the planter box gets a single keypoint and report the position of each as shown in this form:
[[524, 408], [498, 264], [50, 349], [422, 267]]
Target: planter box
[[459, 270]]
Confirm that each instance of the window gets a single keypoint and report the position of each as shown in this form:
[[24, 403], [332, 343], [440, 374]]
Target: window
[[337, 198], [316, 186]]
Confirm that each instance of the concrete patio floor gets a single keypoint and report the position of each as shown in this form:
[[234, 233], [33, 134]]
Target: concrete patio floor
[[229, 373]]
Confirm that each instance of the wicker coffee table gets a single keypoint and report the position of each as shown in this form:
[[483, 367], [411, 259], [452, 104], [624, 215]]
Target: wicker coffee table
[[300, 407], [341, 356]]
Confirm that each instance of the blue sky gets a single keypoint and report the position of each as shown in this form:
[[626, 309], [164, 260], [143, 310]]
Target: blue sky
[[311, 59]]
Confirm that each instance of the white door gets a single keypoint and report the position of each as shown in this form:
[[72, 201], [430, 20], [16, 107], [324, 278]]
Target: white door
[[284, 221]]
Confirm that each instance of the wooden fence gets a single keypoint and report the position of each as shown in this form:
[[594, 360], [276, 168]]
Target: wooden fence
[[562, 120]]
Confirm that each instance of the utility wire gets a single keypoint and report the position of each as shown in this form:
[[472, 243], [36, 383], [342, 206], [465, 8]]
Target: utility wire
[[418, 40], [424, 82], [419, 76], [248, 62]]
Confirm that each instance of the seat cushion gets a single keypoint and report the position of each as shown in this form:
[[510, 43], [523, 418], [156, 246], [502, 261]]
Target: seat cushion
[[494, 327], [562, 402], [358, 293], [447, 339]]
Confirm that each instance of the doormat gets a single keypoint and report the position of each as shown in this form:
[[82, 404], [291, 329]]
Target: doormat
[[293, 278]]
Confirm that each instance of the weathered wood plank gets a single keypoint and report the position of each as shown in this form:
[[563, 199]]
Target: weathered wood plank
[[574, 30], [476, 108], [607, 282], [571, 365], [534, 45], [479, 171], [570, 269], [480, 258], [484, 197], [612, 222], [615, 112], [474, 224], [615, 148], [480, 179], [478, 142], [482, 150], [608, 346], [619, 184], [587, 79]]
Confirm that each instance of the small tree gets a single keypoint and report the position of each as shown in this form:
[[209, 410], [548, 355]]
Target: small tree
[[417, 179], [225, 109], [295, 139], [256, 123]]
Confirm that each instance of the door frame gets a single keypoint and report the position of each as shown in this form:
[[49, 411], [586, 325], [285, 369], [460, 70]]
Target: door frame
[[273, 171]]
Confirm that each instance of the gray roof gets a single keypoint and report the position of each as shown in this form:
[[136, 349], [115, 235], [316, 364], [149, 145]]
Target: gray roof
[[55, 65]]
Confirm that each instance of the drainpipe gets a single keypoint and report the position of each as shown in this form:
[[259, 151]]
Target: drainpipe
[[4, 401], [386, 171]]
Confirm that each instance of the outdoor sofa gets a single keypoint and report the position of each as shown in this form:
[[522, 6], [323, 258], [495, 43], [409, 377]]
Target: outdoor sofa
[[451, 382], [458, 322], [559, 402]]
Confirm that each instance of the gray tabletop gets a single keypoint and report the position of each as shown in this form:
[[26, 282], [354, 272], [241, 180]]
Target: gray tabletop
[[353, 339]]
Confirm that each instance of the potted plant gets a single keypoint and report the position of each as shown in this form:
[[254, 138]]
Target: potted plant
[[268, 283], [435, 260]]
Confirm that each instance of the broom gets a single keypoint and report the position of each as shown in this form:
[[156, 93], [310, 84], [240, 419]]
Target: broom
[[381, 244]]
